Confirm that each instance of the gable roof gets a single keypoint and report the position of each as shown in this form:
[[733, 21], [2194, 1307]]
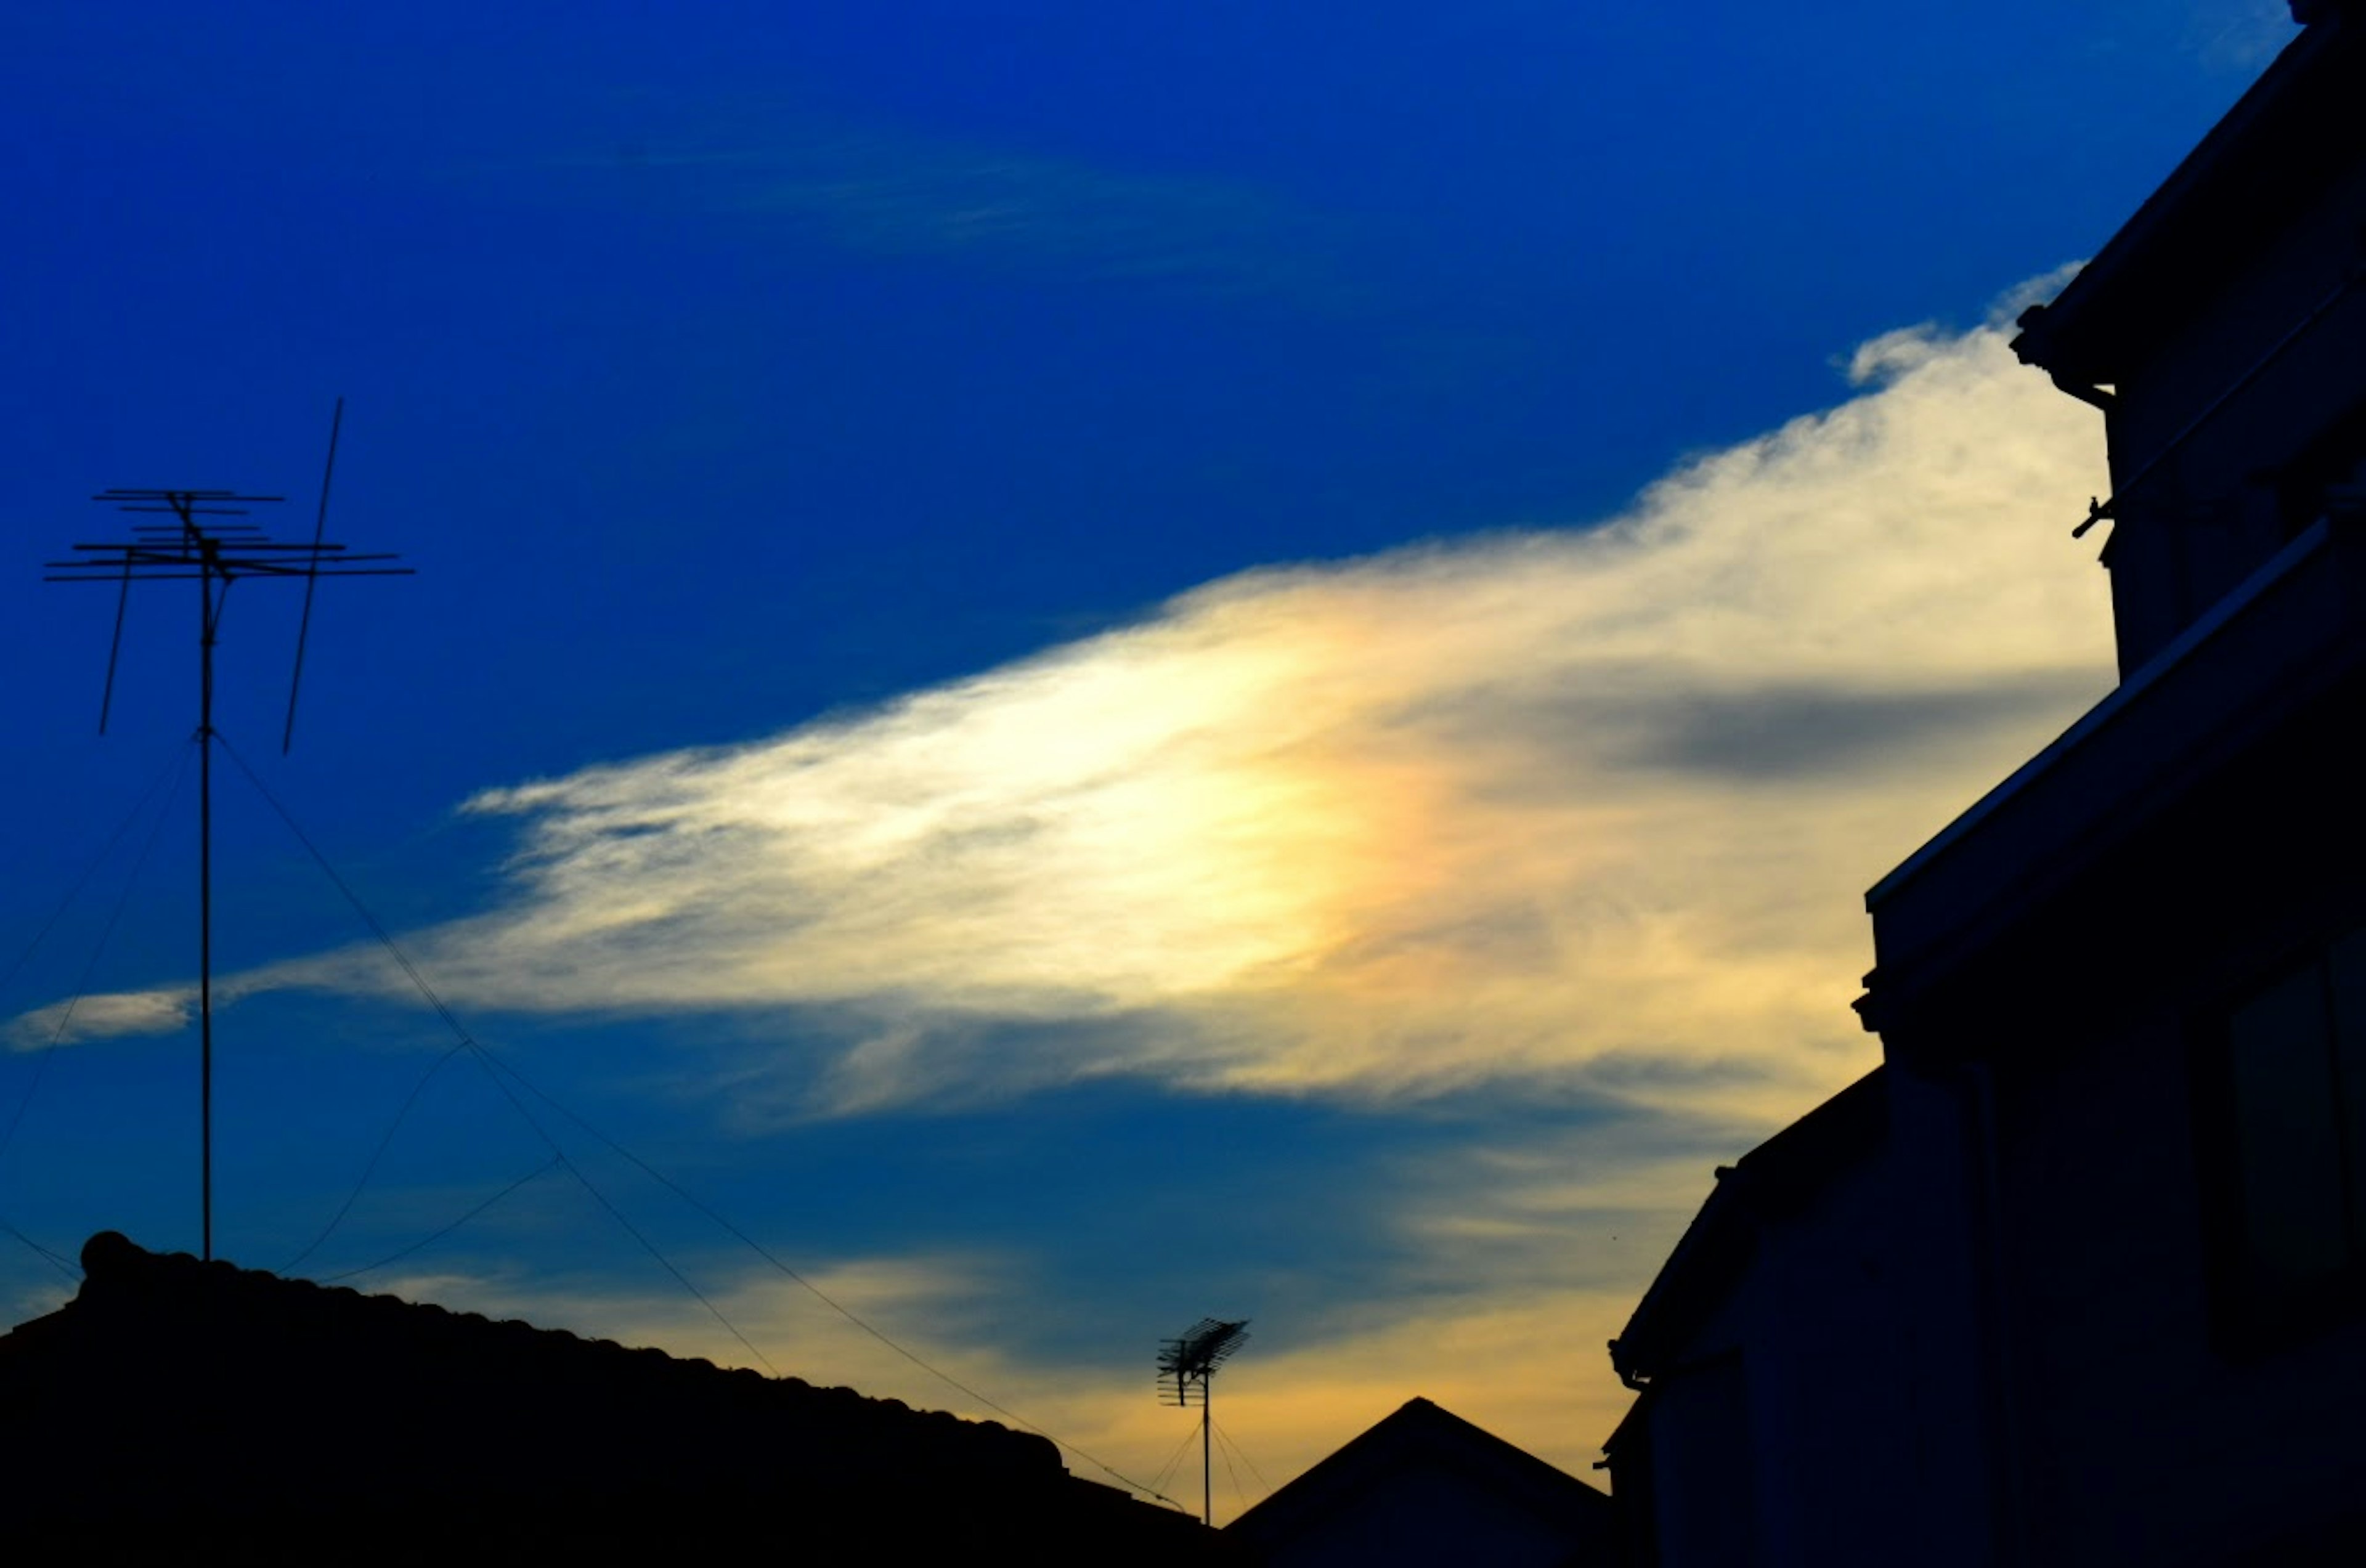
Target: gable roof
[[170, 1390], [1780, 1177], [1420, 1438]]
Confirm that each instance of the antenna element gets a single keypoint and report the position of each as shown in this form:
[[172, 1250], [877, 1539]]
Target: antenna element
[[1188, 1365], [304, 626], [213, 556]]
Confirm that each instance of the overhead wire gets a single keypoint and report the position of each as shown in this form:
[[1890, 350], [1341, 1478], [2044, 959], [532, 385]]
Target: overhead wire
[[173, 768], [59, 1264], [167, 778], [377, 1154], [1166, 1472], [484, 1060], [368, 918], [176, 772], [436, 1236], [469, 1041], [1228, 1440], [496, 1067], [814, 1290], [1240, 1493]]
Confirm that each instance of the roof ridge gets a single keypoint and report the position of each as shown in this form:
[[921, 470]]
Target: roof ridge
[[119, 1275]]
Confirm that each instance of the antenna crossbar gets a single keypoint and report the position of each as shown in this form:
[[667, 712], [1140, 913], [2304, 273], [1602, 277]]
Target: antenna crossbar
[[1187, 1366], [214, 555]]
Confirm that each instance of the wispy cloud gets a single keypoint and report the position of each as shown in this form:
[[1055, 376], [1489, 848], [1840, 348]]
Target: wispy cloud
[[1590, 804], [883, 190], [1287, 1403], [98, 1017], [896, 196], [2238, 36], [1517, 1266]]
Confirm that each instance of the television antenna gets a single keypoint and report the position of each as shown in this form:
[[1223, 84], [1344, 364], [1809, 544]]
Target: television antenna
[[192, 548], [1187, 1372]]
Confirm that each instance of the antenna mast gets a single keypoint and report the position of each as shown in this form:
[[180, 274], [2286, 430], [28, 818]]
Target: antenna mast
[[214, 556], [1188, 1365]]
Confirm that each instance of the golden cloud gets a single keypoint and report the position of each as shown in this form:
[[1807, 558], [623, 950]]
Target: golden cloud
[[1522, 1265], [1595, 803]]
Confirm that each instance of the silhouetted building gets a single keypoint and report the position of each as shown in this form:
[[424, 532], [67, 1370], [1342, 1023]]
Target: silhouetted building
[[1424, 1486], [1799, 1358], [2096, 1290], [177, 1409]]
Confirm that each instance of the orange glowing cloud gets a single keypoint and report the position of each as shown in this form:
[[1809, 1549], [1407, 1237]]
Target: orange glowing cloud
[[1593, 804]]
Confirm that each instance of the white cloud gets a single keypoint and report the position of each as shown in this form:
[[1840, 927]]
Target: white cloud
[[98, 1017], [1591, 804], [1593, 807]]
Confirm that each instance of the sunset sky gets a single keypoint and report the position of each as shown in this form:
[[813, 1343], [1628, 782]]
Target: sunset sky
[[1086, 664]]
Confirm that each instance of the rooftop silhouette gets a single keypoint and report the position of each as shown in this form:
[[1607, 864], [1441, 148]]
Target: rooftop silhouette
[[172, 1400]]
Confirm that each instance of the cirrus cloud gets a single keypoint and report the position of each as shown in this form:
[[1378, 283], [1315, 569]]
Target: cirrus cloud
[[1590, 804]]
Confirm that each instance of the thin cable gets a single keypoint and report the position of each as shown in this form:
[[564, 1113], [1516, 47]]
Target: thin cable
[[107, 931], [1240, 1493], [814, 1290], [360, 909], [484, 1060], [1166, 1472], [469, 1041], [73, 1274], [1226, 1440], [447, 1230], [370, 1169], [1224, 1436], [462, 1039], [495, 1068], [174, 767]]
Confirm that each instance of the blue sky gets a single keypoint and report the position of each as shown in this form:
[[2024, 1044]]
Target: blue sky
[[1091, 665]]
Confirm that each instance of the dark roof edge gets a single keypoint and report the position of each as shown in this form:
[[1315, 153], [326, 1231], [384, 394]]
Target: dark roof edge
[[1777, 1177], [2216, 202], [118, 1269]]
